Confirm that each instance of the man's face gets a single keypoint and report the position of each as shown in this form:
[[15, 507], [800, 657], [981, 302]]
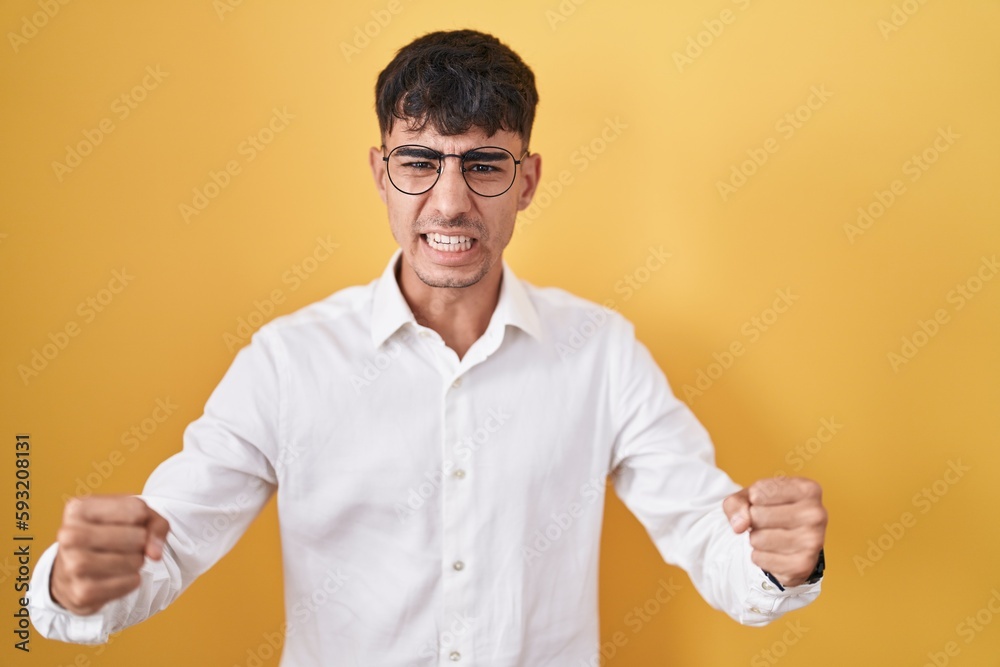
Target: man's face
[[453, 210]]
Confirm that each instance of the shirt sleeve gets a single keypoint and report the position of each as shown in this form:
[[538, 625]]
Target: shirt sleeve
[[210, 492], [663, 470]]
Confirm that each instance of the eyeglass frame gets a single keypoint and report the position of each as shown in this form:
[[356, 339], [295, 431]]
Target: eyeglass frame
[[440, 158]]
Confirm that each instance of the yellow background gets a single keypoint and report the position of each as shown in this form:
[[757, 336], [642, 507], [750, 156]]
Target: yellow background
[[683, 126]]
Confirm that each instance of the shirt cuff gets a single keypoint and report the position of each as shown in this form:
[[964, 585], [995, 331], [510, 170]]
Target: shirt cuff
[[765, 601], [54, 621]]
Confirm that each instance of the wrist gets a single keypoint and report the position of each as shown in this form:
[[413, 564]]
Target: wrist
[[815, 576]]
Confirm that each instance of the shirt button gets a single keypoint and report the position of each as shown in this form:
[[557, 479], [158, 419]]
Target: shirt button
[[755, 610], [455, 656], [459, 473], [424, 334], [458, 565], [767, 587], [457, 383]]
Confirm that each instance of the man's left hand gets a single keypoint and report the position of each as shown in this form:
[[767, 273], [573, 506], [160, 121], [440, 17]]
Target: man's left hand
[[787, 524]]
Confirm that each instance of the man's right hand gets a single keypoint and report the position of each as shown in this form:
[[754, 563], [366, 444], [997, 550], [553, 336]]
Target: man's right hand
[[103, 542]]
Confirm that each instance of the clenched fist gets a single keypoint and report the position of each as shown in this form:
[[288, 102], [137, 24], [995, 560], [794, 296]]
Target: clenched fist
[[103, 542], [787, 524]]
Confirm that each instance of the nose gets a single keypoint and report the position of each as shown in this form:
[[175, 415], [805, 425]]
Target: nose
[[450, 196]]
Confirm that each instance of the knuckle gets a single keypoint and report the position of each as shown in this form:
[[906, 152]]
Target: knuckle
[[71, 598], [73, 509], [817, 537], [135, 507], [71, 567], [84, 593], [74, 567], [818, 516], [71, 538], [810, 488], [812, 516], [760, 490]]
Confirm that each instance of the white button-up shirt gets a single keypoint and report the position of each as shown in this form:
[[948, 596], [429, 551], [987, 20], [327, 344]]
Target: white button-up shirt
[[434, 510]]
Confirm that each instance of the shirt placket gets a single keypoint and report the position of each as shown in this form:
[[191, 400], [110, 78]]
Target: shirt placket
[[457, 560], [455, 624]]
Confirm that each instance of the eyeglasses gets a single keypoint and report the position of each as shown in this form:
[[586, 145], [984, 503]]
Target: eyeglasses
[[489, 171]]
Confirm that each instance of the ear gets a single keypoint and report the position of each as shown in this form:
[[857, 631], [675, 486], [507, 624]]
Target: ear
[[531, 174], [377, 165]]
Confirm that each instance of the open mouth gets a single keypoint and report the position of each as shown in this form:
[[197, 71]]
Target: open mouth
[[446, 243]]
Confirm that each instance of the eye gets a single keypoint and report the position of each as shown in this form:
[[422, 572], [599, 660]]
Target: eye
[[418, 165], [414, 159], [487, 163]]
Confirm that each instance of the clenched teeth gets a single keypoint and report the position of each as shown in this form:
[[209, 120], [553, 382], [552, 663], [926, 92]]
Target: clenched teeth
[[448, 243]]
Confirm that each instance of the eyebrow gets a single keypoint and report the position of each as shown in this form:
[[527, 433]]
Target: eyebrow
[[416, 151], [482, 154], [488, 155]]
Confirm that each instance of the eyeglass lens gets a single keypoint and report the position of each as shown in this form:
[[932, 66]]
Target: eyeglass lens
[[489, 171]]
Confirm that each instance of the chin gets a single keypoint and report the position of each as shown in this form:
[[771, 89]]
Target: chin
[[455, 278]]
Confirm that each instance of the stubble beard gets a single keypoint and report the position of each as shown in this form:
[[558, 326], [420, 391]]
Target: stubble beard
[[476, 229]]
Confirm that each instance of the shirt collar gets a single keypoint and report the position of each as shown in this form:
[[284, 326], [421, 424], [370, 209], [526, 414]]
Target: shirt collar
[[390, 310]]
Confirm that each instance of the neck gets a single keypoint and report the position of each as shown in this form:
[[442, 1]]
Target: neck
[[459, 315]]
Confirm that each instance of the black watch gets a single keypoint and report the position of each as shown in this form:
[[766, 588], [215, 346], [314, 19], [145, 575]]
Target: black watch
[[817, 572], [816, 575]]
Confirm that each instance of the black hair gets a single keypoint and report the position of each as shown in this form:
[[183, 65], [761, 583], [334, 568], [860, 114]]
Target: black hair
[[456, 80]]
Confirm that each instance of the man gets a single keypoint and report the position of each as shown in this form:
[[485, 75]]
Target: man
[[448, 509]]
